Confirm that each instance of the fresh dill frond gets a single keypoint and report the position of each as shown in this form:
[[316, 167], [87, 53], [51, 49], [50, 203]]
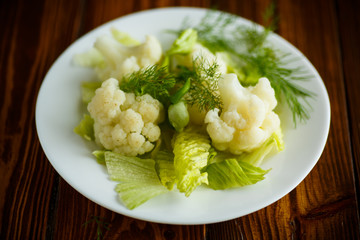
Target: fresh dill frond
[[154, 80], [267, 62], [252, 56], [100, 225], [213, 38], [271, 19], [204, 78]]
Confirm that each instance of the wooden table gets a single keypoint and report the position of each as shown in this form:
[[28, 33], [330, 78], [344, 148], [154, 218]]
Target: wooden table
[[36, 203]]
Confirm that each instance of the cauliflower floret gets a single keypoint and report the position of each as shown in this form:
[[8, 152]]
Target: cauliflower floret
[[247, 118], [199, 51], [151, 131], [121, 60], [149, 108], [105, 105], [123, 122]]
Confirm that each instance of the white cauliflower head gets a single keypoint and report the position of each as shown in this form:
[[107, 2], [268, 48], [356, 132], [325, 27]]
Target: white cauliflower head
[[247, 118], [125, 123], [121, 60]]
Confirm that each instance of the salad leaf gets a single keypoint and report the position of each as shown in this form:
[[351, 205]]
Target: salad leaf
[[124, 38], [100, 156], [130, 169], [184, 43], [164, 166], [88, 90], [191, 150], [138, 179], [133, 194], [232, 173], [91, 58], [86, 128]]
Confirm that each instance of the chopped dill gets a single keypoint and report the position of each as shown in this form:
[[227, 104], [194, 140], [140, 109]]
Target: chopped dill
[[251, 56], [100, 225], [203, 91], [154, 80]]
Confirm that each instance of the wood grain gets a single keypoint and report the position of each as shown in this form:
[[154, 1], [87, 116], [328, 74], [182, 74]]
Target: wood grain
[[36, 203], [349, 37]]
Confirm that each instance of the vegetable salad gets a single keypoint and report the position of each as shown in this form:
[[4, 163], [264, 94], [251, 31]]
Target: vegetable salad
[[202, 112]]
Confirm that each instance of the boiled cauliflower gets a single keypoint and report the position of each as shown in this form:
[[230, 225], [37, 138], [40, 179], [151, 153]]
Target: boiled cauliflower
[[121, 60], [123, 122], [247, 118]]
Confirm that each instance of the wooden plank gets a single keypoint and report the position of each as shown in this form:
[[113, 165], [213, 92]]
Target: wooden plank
[[349, 34], [326, 199], [31, 41]]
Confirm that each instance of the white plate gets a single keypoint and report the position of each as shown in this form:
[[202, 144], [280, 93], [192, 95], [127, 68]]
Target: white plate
[[58, 111]]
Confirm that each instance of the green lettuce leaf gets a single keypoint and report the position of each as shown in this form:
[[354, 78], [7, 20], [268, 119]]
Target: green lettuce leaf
[[133, 194], [164, 166], [88, 90], [100, 156], [130, 169], [124, 38], [232, 173], [226, 170], [139, 181], [191, 151], [86, 128], [91, 58], [184, 43]]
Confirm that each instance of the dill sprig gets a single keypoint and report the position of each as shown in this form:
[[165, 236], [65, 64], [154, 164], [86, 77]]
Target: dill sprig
[[154, 80], [253, 57], [264, 62], [100, 225], [204, 78]]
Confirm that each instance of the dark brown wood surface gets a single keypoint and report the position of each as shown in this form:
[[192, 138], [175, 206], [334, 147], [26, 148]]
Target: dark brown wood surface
[[36, 203]]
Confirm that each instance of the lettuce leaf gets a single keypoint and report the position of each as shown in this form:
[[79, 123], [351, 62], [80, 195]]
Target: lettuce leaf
[[133, 194], [191, 151], [124, 38], [88, 90], [232, 173], [138, 179], [164, 166], [86, 128], [226, 170], [130, 169], [100, 156], [91, 58], [184, 43]]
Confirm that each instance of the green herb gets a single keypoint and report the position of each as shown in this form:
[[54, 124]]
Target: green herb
[[265, 62], [204, 78], [181, 92], [251, 56], [154, 80], [101, 225]]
